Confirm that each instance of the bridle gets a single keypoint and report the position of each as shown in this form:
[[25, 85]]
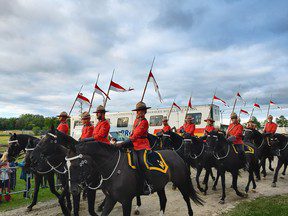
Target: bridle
[[201, 152], [215, 154], [101, 180]]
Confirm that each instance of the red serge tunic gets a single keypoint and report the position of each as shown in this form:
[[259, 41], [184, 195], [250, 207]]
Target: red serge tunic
[[101, 131], [63, 127], [166, 128], [189, 128], [237, 131], [87, 131], [139, 134], [270, 127], [208, 129]]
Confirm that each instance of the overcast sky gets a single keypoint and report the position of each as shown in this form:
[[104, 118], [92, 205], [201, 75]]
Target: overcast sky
[[48, 49]]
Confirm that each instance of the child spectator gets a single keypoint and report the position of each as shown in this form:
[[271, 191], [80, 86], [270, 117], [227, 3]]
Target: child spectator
[[4, 177], [26, 177]]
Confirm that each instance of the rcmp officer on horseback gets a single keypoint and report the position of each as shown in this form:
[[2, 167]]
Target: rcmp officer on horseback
[[188, 127], [166, 126], [235, 134], [88, 128], [270, 126], [140, 142], [210, 126], [63, 126], [101, 130]]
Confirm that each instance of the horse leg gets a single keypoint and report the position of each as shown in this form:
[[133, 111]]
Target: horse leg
[[185, 193], [138, 200], [108, 206], [234, 184], [38, 180], [76, 204], [206, 179], [250, 177], [216, 181], [61, 197], [163, 201], [212, 175], [284, 171], [270, 164], [263, 164], [199, 170], [279, 165], [126, 207], [91, 195], [222, 174]]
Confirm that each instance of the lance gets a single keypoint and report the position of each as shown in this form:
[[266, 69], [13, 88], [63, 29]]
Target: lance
[[253, 109], [269, 106], [105, 102], [169, 113], [234, 105], [144, 91], [75, 100], [188, 107], [210, 115], [93, 94]]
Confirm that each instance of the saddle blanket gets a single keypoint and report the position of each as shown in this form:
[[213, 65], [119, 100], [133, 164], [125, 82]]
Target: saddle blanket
[[153, 161], [248, 149]]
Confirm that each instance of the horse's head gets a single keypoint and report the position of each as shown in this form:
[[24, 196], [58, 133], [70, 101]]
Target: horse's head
[[215, 140], [81, 171], [13, 147], [278, 142], [167, 140]]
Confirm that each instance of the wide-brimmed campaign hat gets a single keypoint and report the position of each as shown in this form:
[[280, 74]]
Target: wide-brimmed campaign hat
[[85, 115], [165, 118], [100, 109], [270, 116], [64, 115], [209, 119], [141, 106]]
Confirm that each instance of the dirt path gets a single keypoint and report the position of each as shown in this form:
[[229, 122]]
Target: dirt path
[[175, 204]]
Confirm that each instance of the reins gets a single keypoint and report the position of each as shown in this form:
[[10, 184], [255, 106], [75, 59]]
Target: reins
[[197, 156], [223, 157]]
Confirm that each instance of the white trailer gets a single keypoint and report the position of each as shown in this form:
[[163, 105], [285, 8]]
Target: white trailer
[[123, 121]]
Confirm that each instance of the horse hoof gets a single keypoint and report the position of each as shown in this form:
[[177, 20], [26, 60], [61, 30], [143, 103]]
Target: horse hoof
[[137, 212], [221, 202], [282, 177], [29, 209], [273, 184], [201, 190], [253, 190], [271, 169], [246, 190], [214, 188], [213, 178], [245, 195]]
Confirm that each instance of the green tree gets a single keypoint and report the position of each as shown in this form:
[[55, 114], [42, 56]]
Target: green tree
[[36, 130], [282, 121], [255, 121]]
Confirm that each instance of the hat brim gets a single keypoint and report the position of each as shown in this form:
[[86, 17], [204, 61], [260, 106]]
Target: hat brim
[[102, 111], [141, 108], [209, 120], [63, 116]]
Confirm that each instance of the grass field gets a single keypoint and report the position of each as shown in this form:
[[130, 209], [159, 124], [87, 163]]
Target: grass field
[[264, 206]]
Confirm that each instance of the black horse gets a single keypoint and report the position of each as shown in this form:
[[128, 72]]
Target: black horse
[[194, 152], [262, 142], [228, 160], [41, 170], [279, 145], [119, 182]]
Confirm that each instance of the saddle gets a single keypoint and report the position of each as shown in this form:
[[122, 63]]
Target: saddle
[[153, 161]]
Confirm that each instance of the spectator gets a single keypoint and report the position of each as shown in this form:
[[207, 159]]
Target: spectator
[[12, 175], [4, 177], [26, 177]]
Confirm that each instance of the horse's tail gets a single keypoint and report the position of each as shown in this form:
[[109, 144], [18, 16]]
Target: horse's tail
[[192, 193]]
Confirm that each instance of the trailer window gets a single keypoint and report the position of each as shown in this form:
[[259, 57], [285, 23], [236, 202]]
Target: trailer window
[[122, 122], [196, 118], [156, 120]]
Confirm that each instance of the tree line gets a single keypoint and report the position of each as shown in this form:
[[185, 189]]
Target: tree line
[[36, 123]]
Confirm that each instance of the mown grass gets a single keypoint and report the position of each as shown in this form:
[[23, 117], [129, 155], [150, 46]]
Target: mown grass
[[264, 206], [18, 200]]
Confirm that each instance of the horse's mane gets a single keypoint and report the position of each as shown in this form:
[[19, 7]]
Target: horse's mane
[[176, 136], [92, 147]]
